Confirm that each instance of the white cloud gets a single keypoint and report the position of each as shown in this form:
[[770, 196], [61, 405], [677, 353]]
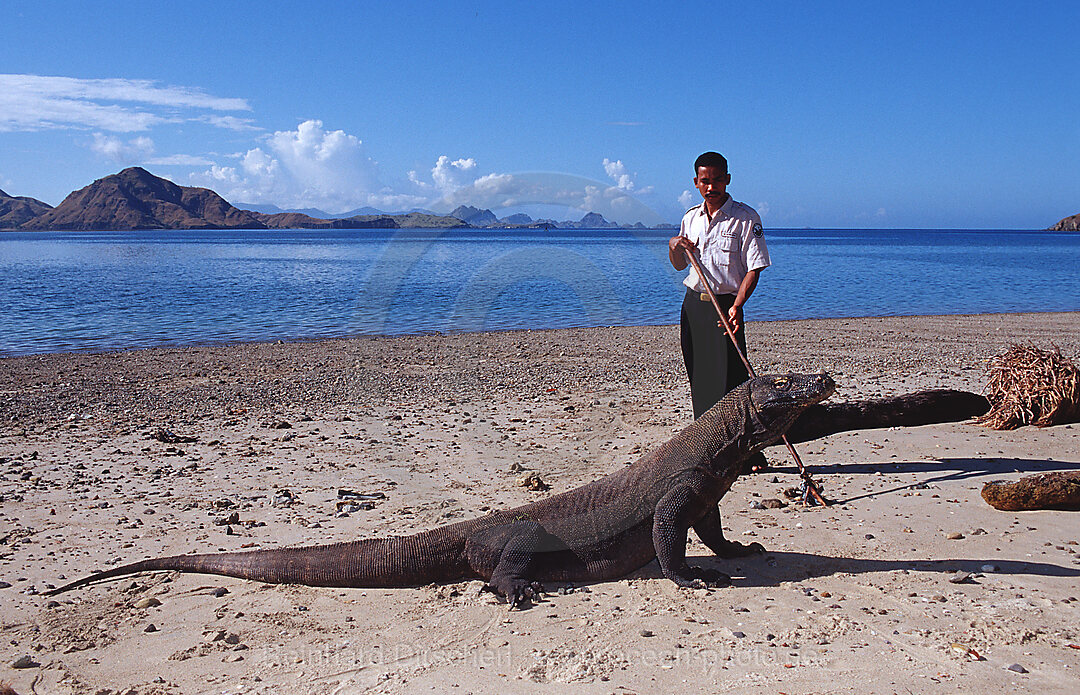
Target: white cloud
[[40, 102], [229, 122], [390, 201], [189, 160], [489, 191], [306, 167], [417, 181], [687, 199], [315, 167], [133, 151], [617, 172], [449, 176], [622, 177]]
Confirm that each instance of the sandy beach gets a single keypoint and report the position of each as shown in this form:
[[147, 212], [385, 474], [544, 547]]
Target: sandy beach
[[851, 598]]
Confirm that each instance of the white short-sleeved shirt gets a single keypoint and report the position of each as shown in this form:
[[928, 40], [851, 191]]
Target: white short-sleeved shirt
[[729, 247]]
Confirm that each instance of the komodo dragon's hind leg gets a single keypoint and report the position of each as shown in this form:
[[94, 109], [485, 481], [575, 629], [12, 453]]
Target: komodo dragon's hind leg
[[709, 530], [511, 553]]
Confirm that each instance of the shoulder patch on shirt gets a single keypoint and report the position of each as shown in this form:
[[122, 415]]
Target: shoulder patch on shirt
[[758, 230]]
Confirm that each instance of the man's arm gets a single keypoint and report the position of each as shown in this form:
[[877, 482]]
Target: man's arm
[[677, 248], [746, 288]]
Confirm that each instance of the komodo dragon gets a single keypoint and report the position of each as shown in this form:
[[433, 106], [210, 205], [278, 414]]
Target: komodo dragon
[[601, 530]]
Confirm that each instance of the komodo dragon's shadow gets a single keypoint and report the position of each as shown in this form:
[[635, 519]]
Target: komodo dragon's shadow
[[772, 568]]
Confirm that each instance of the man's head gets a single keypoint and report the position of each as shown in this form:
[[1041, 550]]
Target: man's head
[[711, 178]]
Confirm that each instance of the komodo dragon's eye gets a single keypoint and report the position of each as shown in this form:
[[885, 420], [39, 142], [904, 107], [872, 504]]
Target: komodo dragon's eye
[[780, 383]]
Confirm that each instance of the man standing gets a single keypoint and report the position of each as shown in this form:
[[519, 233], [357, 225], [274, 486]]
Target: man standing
[[730, 242]]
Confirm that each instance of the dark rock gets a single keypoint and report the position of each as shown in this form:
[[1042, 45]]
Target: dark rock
[[1057, 490], [167, 437], [1069, 224]]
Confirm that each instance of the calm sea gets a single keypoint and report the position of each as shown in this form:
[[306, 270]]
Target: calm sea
[[114, 290]]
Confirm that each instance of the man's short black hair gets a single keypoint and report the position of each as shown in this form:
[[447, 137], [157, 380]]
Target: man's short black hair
[[710, 159]]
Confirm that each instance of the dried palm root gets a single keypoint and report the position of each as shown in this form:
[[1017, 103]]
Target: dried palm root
[[1040, 491], [1029, 386]]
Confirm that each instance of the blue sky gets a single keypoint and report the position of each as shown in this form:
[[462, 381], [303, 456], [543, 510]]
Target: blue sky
[[845, 114]]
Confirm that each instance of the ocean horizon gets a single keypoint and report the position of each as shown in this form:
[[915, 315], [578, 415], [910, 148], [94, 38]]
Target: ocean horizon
[[104, 291]]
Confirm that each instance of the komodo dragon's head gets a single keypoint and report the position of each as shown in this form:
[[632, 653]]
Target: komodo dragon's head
[[779, 399]]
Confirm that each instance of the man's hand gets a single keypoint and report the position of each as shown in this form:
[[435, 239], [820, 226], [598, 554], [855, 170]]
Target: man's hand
[[678, 247], [735, 317]]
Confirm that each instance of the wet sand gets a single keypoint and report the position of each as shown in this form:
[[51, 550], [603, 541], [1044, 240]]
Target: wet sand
[[853, 598]]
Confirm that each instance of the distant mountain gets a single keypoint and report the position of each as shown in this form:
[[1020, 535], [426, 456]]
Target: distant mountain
[[17, 210], [136, 199], [292, 220], [1069, 224], [591, 220], [594, 220], [475, 216], [417, 220], [517, 218], [366, 210], [369, 222], [268, 209]]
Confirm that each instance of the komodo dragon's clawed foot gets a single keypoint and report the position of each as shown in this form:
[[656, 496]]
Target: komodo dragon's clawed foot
[[519, 593], [701, 578], [731, 549]]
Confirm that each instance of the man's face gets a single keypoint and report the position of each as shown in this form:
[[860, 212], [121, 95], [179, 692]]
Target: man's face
[[712, 183]]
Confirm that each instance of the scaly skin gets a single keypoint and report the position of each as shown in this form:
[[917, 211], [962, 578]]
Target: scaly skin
[[601, 530]]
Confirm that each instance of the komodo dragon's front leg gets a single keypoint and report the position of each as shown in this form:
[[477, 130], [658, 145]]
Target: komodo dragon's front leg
[[710, 532], [675, 513]]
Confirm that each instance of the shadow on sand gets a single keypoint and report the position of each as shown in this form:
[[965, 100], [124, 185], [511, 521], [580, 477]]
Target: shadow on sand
[[774, 567], [948, 469]]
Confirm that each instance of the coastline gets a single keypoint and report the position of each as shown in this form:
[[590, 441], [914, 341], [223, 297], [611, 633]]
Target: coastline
[[439, 424], [197, 380]]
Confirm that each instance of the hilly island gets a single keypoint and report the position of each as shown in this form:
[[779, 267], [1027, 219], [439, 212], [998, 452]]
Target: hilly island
[[135, 199]]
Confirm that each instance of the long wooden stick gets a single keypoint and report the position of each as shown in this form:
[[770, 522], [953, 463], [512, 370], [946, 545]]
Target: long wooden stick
[[811, 486]]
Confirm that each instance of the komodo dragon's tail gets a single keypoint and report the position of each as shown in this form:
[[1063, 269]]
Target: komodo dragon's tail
[[384, 562]]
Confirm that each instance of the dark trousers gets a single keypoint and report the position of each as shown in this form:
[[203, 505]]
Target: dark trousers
[[713, 366]]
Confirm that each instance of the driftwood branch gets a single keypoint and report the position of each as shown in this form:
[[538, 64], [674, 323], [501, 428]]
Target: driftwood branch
[[908, 410]]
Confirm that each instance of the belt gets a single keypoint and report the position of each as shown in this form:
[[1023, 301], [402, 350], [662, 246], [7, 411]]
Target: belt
[[704, 296]]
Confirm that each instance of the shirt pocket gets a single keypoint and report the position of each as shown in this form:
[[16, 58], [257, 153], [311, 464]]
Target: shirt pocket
[[723, 250]]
